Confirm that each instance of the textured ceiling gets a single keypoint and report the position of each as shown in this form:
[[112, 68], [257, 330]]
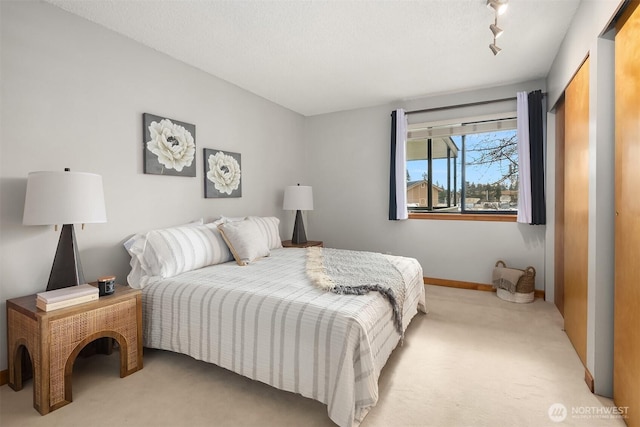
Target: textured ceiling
[[321, 56]]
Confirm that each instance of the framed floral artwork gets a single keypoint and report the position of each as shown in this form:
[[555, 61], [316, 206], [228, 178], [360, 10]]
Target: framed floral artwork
[[222, 174], [169, 146]]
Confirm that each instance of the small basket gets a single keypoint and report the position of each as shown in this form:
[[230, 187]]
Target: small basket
[[525, 288]]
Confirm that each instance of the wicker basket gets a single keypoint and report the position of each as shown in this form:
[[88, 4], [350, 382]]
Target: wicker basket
[[525, 288]]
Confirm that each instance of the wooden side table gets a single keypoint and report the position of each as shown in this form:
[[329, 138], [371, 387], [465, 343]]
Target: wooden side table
[[55, 338], [308, 244]]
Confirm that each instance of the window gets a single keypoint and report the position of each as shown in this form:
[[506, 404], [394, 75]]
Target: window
[[464, 167]]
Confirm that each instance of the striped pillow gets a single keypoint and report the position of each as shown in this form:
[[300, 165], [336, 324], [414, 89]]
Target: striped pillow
[[172, 251], [268, 226]]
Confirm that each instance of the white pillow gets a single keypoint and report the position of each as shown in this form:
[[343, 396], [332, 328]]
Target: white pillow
[[246, 241], [269, 228], [167, 252]]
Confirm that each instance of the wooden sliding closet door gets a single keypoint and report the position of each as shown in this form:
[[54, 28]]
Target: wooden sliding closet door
[[626, 355], [576, 209]]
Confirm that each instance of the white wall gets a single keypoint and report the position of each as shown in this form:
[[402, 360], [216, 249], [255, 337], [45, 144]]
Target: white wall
[[590, 21], [550, 194], [601, 273], [73, 94], [349, 155]]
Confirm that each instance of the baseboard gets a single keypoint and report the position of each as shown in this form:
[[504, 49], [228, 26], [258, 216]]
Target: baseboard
[[457, 284], [588, 378], [4, 377], [468, 285]]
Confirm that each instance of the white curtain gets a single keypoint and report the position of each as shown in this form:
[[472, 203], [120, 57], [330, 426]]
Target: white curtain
[[400, 166], [524, 162]]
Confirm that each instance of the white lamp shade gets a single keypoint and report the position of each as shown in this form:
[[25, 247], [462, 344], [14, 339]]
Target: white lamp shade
[[298, 198], [64, 197]]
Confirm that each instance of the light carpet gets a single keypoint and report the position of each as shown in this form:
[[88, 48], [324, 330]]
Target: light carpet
[[474, 360]]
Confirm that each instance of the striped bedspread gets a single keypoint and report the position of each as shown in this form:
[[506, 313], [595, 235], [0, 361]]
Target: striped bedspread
[[266, 321]]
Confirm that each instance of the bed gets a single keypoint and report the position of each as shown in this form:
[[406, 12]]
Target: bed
[[267, 321]]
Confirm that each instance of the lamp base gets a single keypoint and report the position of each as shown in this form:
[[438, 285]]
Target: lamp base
[[66, 270], [299, 236]]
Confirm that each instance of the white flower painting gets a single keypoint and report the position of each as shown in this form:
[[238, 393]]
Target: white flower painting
[[170, 146], [223, 175]]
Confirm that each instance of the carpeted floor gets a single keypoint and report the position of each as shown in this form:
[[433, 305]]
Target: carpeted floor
[[474, 360]]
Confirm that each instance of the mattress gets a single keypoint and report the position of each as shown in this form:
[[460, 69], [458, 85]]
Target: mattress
[[266, 321]]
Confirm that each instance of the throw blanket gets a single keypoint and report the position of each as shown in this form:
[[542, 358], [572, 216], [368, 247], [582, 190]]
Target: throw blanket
[[357, 273], [506, 278]]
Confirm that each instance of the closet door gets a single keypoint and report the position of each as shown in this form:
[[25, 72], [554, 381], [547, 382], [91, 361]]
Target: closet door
[[626, 356], [576, 209]]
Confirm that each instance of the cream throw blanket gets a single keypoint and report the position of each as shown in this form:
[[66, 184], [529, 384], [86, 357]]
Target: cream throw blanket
[[357, 273], [506, 278]]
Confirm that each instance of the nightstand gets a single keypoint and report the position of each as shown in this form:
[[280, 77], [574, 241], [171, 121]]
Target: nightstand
[[308, 244], [55, 338]]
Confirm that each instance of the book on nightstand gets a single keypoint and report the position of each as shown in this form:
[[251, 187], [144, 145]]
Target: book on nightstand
[[66, 297]]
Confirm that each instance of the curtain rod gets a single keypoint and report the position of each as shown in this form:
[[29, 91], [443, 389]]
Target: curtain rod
[[468, 104]]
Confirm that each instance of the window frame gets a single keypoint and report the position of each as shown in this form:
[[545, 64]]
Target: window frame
[[458, 123]]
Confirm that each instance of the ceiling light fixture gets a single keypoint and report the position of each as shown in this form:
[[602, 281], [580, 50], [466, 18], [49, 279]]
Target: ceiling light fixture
[[499, 7]]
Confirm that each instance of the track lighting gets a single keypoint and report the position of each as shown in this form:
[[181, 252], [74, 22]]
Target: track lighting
[[499, 7]]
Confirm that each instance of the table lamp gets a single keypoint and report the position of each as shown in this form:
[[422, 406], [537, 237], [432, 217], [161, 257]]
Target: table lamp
[[65, 198], [298, 198]]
